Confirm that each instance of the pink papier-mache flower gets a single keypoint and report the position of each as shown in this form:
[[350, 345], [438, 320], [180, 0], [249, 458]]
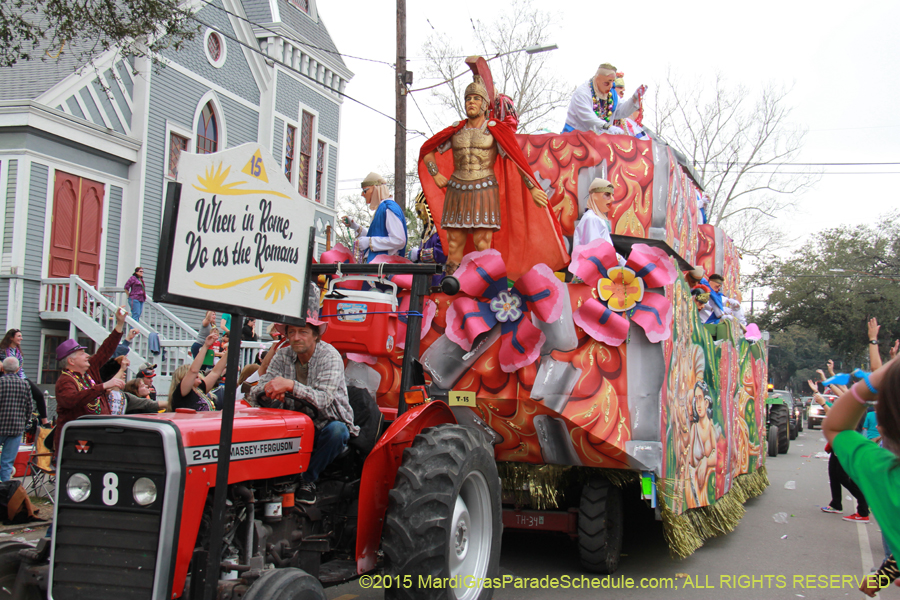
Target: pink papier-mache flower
[[482, 276], [623, 291]]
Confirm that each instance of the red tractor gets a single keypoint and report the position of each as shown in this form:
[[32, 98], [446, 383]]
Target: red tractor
[[135, 506]]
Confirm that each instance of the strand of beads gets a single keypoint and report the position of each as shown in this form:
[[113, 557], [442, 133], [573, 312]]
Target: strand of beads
[[602, 110]]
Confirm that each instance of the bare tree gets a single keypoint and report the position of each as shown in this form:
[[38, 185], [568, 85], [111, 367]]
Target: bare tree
[[741, 147], [354, 206], [523, 77]]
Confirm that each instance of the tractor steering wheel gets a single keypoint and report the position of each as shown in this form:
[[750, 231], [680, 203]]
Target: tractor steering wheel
[[312, 407]]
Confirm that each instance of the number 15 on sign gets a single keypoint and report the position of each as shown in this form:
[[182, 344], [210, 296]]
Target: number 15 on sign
[[463, 399]]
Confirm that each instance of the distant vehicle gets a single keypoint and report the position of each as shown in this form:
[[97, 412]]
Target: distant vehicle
[[781, 421], [806, 400], [816, 414], [796, 416]]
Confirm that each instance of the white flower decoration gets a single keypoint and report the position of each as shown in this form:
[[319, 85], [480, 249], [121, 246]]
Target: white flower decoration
[[507, 307]]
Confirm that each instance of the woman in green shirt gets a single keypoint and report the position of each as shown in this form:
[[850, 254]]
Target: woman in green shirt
[[876, 470]]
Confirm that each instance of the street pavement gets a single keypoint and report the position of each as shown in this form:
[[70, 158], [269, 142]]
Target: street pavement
[[807, 557], [761, 559]]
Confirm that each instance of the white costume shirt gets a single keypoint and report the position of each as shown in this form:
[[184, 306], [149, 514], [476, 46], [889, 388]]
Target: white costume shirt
[[581, 115], [392, 243], [589, 228], [734, 310], [593, 227]]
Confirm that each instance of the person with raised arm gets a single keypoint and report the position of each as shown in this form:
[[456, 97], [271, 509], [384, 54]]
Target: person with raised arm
[[80, 390], [595, 105]]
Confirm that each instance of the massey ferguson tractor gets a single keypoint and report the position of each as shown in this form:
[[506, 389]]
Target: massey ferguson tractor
[[415, 494]]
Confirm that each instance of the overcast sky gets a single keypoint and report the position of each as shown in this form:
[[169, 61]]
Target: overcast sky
[[842, 60]]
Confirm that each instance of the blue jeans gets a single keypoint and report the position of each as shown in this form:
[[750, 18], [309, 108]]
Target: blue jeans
[[137, 307], [8, 455], [329, 442]]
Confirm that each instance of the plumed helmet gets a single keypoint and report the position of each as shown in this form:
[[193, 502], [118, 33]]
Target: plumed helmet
[[478, 88]]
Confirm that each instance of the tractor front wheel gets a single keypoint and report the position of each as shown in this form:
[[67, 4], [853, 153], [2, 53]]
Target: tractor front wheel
[[773, 440], [444, 518], [285, 584]]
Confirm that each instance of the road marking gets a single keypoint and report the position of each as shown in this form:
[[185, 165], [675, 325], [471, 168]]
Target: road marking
[[865, 549]]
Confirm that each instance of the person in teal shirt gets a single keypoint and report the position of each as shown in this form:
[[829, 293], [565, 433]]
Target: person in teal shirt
[[871, 425]]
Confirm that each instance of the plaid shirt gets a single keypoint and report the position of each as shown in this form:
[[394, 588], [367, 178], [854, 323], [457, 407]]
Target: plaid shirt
[[326, 390], [15, 405]]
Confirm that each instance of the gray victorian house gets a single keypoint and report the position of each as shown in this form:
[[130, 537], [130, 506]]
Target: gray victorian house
[[86, 152]]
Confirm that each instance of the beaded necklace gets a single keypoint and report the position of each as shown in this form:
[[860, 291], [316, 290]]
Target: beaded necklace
[[206, 402], [83, 382], [602, 109]]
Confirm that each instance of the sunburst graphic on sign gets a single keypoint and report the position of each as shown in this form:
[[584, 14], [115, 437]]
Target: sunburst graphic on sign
[[279, 284], [215, 182]]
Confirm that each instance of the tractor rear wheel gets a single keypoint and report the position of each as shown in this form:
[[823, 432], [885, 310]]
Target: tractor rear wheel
[[600, 526], [779, 417], [444, 518]]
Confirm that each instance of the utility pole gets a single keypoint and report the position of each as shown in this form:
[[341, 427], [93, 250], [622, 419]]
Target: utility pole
[[403, 79]]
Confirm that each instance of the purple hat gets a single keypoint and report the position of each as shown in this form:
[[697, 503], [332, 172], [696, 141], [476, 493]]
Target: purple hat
[[67, 348]]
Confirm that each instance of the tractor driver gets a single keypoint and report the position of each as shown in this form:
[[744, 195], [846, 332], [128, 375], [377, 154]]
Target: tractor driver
[[312, 370]]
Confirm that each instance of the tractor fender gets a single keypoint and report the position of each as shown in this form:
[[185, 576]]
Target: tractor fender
[[380, 471]]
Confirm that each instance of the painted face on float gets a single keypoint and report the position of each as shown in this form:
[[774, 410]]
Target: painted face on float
[[603, 200], [603, 83], [367, 194], [474, 105]]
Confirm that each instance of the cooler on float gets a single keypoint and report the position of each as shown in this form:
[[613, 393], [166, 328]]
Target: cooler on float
[[362, 321]]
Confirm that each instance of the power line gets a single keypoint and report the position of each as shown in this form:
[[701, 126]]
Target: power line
[[826, 173], [292, 39], [800, 164], [416, 102], [301, 73]]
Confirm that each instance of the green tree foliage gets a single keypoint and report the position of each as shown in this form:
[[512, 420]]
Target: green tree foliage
[[794, 356], [835, 283], [47, 29]]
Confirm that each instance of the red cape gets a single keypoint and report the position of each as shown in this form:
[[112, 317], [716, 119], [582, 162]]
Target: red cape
[[529, 234]]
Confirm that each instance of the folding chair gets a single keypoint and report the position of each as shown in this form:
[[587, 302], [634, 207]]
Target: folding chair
[[41, 467]]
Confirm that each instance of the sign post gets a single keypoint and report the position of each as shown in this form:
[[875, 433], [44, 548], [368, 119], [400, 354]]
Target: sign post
[[235, 241]]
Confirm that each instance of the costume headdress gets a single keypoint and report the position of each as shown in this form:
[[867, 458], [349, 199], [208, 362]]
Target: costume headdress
[[601, 185], [380, 189], [373, 178], [607, 69], [478, 88], [425, 216], [620, 80]]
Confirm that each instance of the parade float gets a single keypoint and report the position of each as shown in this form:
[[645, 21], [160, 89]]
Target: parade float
[[587, 376], [540, 387]]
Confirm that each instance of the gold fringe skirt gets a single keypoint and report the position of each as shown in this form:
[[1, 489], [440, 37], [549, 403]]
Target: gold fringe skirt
[[472, 204]]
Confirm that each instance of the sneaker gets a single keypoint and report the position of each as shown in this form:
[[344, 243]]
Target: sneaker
[[830, 509], [306, 493], [857, 517]]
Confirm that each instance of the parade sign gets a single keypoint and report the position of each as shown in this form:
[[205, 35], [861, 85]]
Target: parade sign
[[236, 237]]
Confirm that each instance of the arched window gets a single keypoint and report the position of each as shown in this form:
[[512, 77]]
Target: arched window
[[207, 131]]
